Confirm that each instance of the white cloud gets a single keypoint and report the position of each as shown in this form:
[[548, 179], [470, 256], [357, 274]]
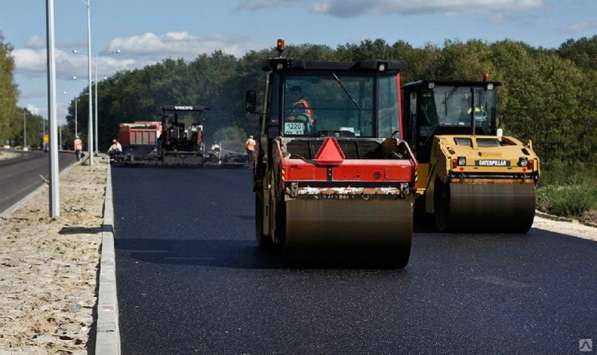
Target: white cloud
[[179, 44], [36, 42], [263, 4], [353, 8], [582, 26], [32, 62], [33, 109]]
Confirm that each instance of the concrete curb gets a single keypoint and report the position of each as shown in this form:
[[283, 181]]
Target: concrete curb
[[7, 213], [107, 338]]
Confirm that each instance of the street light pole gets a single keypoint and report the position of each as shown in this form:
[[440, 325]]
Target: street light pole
[[24, 128], [51, 59], [96, 109], [76, 117], [90, 123]]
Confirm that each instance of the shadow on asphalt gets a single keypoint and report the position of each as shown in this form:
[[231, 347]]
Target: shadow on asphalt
[[245, 255]]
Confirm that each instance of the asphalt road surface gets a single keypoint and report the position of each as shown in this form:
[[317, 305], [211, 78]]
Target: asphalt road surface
[[191, 281], [20, 176]]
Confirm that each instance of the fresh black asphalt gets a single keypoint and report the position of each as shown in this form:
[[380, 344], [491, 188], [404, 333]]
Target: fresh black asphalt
[[191, 281], [20, 176]]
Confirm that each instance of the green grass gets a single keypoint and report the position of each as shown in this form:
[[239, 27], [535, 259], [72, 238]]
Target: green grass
[[568, 201], [568, 191]]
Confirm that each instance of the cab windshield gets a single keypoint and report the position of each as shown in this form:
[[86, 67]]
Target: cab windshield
[[455, 106], [328, 104]]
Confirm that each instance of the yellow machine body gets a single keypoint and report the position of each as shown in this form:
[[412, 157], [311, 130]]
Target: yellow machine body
[[491, 190], [469, 176]]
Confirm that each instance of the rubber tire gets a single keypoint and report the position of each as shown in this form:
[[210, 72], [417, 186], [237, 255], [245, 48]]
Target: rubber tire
[[264, 242], [441, 200]]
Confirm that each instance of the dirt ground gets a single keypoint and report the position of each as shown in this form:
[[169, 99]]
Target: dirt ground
[[48, 268]]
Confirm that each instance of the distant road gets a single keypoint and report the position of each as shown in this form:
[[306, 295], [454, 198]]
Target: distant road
[[190, 280], [20, 176]]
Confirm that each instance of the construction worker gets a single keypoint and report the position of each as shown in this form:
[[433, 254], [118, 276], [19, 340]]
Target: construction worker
[[115, 149], [78, 147], [301, 109], [250, 146]]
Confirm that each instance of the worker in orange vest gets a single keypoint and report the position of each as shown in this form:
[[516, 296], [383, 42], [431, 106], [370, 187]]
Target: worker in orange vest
[[301, 110], [250, 147], [78, 147]]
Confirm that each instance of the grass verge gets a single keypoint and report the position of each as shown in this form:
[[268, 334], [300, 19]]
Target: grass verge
[[569, 192]]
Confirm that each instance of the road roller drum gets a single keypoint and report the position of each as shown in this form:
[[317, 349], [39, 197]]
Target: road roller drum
[[482, 207]]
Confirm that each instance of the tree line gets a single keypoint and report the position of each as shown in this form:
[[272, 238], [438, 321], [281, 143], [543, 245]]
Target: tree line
[[548, 95], [11, 116]]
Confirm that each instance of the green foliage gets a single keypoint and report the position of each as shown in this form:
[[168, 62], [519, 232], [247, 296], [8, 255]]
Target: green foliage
[[583, 52], [567, 200], [567, 188], [8, 93], [548, 95]]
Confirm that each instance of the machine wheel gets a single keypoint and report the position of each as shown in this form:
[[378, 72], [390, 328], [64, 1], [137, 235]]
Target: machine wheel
[[264, 242], [441, 205]]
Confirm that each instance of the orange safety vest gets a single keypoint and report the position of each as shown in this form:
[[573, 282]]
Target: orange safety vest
[[78, 144], [308, 109], [250, 145]]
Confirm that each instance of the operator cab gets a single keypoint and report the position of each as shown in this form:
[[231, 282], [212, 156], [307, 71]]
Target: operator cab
[[448, 107], [183, 127], [321, 99], [356, 103]]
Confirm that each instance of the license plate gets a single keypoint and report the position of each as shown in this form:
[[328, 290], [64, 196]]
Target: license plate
[[493, 162], [294, 128]]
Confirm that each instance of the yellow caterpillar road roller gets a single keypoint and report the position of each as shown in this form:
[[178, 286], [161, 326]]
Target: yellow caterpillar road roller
[[331, 170], [470, 176]]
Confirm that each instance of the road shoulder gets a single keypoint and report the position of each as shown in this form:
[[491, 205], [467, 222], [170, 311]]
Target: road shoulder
[[49, 266], [574, 229]]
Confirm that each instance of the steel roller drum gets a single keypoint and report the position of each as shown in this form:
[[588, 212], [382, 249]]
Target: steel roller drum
[[491, 207], [382, 224]]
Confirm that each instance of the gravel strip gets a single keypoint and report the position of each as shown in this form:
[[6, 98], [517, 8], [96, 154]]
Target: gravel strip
[[8, 155], [48, 268], [574, 229]]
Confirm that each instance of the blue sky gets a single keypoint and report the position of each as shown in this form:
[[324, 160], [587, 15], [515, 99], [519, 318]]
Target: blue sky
[[146, 31]]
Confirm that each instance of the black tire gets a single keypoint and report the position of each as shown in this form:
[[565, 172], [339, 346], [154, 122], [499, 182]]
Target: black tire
[[441, 205], [264, 242]]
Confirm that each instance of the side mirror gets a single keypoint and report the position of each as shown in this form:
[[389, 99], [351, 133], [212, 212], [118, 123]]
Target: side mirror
[[251, 101]]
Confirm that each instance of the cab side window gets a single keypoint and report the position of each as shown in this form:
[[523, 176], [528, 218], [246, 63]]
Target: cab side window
[[387, 106]]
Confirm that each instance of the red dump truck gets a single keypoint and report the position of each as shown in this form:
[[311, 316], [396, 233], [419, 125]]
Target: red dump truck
[[138, 139]]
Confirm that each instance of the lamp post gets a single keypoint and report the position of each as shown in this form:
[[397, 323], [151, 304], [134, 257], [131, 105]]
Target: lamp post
[[24, 128], [96, 109], [90, 123], [51, 59], [76, 117]]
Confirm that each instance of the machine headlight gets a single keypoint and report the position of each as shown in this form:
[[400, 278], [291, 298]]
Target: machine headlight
[[523, 162], [461, 161]]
